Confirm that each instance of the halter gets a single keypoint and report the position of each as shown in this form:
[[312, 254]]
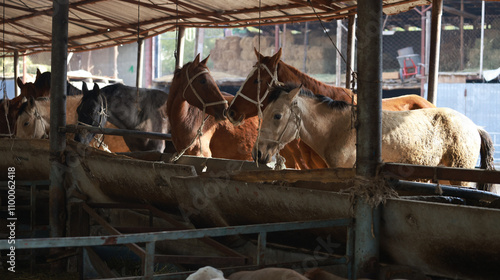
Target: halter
[[199, 132], [190, 84], [103, 113], [297, 121], [274, 80], [36, 115]]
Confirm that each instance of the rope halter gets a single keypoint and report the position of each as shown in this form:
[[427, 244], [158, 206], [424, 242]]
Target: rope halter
[[39, 118], [274, 80], [190, 84], [297, 121]]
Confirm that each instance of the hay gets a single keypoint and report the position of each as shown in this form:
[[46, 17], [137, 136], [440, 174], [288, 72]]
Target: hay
[[374, 191]]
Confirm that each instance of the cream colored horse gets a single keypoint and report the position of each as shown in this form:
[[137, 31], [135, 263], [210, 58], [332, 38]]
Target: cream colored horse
[[432, 137]]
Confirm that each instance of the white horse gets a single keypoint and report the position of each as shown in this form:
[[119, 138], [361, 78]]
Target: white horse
[[206, 273], [432, 137]]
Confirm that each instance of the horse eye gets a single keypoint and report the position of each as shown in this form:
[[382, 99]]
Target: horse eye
[[277, 116], [256, 81], [203, 81], [26, 123]]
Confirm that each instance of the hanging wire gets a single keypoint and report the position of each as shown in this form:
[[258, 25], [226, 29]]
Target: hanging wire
[[333, 43], [176, 55]]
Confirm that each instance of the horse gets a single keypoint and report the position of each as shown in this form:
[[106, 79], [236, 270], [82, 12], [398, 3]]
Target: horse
[[269, 273], [320, 274], [127, 108], [206, 273], [273, 70], [33, 121], [42, 85], [432, 137], [193, 93]]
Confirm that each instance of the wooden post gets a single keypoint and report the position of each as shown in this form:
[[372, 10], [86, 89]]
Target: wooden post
[[338, 61], [351, 45], [462, 56], [57, 194], [180, 48], [369, 134], [437, 12], [140, 63], [16, 70], [306, 42]]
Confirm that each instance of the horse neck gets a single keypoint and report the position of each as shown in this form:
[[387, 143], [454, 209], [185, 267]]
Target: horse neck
[[288, 73], [72, 103], [322, 125]]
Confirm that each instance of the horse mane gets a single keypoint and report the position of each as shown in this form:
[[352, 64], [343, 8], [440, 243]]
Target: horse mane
[[276, 92], [313, 83]]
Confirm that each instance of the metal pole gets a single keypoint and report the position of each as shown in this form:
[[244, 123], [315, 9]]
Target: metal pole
[[16, 70], [482, 41], [351, 44], [276, 38], [437, 12], [462, 57], [306, 43], [140, 63], [180, 48], [58, 85], [369, 132], [338, 68]]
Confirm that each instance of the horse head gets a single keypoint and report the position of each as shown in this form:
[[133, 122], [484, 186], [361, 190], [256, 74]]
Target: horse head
[[280, 123], [42, 83], [253, 93], [199, 88], [92, 111], [30, 123]]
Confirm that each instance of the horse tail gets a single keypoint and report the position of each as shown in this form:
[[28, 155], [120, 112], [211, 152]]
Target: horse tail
[[487, 151]]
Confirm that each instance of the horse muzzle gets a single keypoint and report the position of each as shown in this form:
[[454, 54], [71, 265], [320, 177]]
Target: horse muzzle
[[230, 114], [258, 156]]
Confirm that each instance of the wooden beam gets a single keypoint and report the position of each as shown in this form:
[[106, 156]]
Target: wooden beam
[[326, 175]]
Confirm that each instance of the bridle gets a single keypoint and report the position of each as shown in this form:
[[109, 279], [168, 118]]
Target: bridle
[[38, 118], [103, 102], [190, 84], [294, 112], [274, 80], [199, 132]]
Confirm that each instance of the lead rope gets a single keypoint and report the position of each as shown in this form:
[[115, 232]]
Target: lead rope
[[199, 132]]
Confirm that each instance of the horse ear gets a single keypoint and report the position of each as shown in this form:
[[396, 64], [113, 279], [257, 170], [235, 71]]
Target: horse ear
[[24, 99], [293, 93], [197, 59], [204, 62], [96, 87], [38, 73], [20, 82], [85, 89], [258, 54], [277, 56], [31, 101]]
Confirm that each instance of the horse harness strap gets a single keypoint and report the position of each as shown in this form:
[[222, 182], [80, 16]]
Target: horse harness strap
[[297, 121], [274, 80], [190, 84], [39, 117]]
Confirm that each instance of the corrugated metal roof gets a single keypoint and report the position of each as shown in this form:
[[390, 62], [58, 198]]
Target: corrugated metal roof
[[102, 23]]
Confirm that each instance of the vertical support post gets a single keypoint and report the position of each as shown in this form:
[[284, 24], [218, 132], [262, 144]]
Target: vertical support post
[[351, 45], [338, 67], [462, 56], [276, 38], [140, 63], [115, 62], [200, 39], [437, 12], [481, 55], [149, 260], [180, 48], [57, 194], [16, 70], [147, 65], [261, 248], [283, 40], [306, 43], [369, 126]]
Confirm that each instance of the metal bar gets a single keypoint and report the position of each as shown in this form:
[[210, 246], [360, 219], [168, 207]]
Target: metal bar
[[437, 12], [140, 63], [205, 260], [369, 133], [261, 248], [170, 235], [121, 132], [16, 70], [149, 260]]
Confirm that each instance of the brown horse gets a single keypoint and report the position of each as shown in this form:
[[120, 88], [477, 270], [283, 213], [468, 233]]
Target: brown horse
[[193, 91], [193, 84], [33, 121], [273, 71], [269, 273]]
